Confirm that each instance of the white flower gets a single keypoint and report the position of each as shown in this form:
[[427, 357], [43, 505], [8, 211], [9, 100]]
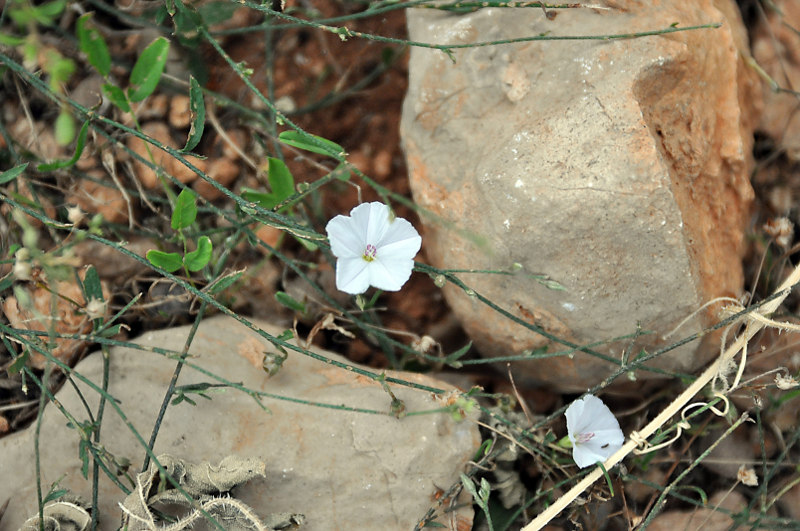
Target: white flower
[[373, 249], [593, 431]]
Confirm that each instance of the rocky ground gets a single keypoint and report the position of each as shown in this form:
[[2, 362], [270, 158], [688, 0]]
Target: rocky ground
[[350, 89]]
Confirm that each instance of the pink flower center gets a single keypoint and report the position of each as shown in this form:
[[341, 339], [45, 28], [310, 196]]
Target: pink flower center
[[583, 438], [369, 253]]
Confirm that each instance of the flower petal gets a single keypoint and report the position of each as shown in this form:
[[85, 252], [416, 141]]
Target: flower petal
[[400, 231], [390, 275], [584, 456], [344, 235], [590, 415], [599, 448], [372, 220], [352, 275]]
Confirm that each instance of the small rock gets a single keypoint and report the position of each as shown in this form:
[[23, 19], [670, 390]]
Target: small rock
[[382, 163], [100, 198], [706, 518], [605, 165], [52, 307], [180, 116], [172, 166], [113, 266], [224, 171], [341, 469], [237, 137]]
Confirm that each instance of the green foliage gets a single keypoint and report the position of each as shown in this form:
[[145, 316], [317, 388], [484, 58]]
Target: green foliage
[[313, 143], [24, 14], [184, 214], [79, 146], [64, 128], [170, 262], [199, 258], [116, 96], [198, 109], [13, 173], [290, 302], [280, 180], [185, 210], [91, 43], [147, 71]]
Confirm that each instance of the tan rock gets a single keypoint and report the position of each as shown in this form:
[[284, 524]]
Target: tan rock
[[172, 166], [180, 115], [52, 307], [238, 138], [223, 171], [708, 518], [100, 198], [341, 468], [776, 49], [612, 170]]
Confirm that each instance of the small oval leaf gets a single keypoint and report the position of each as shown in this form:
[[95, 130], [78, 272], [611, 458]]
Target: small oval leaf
[[167, 261], [199, 258], [117, 97], [147, 71], [185, 210], [93, 45], [280, 179]]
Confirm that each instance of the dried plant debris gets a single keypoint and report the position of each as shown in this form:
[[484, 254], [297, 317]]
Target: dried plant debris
[[60, 516], [152, 506], [506, 452]]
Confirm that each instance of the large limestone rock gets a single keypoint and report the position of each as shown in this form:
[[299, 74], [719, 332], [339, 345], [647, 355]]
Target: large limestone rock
[[341, 469], [619, 168]]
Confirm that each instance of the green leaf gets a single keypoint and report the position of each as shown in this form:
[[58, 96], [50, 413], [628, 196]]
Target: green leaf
[[83, 452], [147, 71], [185, 210], [81, 143], [216, 12], [199, 258], [262, 199], [91, 43], [313, 143], [10, 175], [11, 40], [308, 244], [198, 109], [224, 282], [280, 179], [91, 285], [54, 495], [290, 302], [50, 10], [116, 96], [19, 362], [64, 128], [167, 261], [60, 69], [452, 359], [110, 331]]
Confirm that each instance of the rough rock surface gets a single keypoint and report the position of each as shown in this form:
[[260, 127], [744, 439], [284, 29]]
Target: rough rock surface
[[618, 168], [342, 470], [776, 48]]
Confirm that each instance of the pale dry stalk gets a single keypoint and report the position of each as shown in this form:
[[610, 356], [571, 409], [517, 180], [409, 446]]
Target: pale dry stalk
[[751, 328]]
